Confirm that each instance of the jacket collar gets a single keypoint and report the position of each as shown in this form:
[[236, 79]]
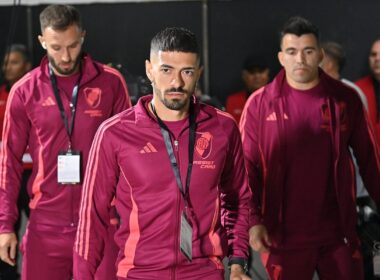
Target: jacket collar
[[144, 118], [276, 87]]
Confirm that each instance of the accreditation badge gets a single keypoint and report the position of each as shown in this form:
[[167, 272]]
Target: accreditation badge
[[186, 237], [68, 167]]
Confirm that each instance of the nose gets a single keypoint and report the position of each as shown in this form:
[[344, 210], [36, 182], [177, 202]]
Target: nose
[[66, 57], [177, 80], [300, 57]]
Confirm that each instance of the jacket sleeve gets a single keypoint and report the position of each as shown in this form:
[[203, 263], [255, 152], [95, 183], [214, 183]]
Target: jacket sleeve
[[366, 150], [122, 99], [15, 137], [97, 195], [235, 197], [249, 128]]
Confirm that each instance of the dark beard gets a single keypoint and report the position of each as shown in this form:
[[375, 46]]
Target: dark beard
[[63, 72]]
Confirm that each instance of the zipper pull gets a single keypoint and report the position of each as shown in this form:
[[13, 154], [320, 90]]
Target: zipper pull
[[176, 145]]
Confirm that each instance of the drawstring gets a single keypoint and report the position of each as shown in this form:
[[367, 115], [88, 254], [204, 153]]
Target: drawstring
[[335, 127]]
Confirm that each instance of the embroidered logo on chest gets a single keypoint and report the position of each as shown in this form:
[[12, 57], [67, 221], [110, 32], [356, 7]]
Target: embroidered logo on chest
[[203, 149], [93, 96], [203, 144]]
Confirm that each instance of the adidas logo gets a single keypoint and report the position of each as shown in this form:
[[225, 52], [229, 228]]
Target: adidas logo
[[272, 117], [48, 102], [148, 148]]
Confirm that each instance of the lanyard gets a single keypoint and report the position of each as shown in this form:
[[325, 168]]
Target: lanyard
[[169, 148], [73, 103]]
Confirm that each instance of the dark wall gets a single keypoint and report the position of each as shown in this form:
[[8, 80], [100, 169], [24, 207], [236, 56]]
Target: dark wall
[[240, 27], [13, 26], [121, 33]]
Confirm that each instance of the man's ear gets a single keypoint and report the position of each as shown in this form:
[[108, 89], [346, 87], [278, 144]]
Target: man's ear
[[322, 55], [280, 56], [200, 71], [42, 41], [148, 70], [83, 36]]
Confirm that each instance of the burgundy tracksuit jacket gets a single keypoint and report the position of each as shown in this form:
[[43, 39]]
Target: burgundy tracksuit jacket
[[129, 160], [33, 119], [263, 144]]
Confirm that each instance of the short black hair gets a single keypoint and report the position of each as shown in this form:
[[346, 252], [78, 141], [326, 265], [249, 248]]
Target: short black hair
[[254, 63], [175, 39], [60, 17], [19, 48], [335, 52], [299, 26]]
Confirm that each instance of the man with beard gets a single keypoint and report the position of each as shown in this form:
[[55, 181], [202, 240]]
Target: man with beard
[[55, 110], [370, 85], [176, 169]]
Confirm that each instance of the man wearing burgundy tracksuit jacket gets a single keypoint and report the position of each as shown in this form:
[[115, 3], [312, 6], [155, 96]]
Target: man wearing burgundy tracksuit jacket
[[296, 135], [176, 170], [55, 110]]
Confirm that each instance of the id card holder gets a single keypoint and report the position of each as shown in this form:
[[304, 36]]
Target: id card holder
[[186, 237], [68, 167]]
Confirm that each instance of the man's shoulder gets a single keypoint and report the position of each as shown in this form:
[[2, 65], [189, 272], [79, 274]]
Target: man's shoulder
[[224, 119], [364, 80], [365, 84], [237, 95], [258, 95], [27, 80], [124, 118], [107, 70]]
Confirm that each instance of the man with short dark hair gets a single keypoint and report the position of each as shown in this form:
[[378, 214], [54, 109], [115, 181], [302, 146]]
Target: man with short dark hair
[[176, 169], [296, 134], [55, 110], [255, 74], [16, 64], [370, 85]]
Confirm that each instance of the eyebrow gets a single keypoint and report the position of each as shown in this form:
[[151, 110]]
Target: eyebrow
[[71, 45], [171, 67], [166, 66], [306, 48]]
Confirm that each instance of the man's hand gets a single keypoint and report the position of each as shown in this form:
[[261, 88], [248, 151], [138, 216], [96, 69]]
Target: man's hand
[[237, 273], [8, 246], [259, 239]]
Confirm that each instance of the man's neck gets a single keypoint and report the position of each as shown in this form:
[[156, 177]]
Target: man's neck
[[166, 114], [303, 86], [376, 78], [68, 75]]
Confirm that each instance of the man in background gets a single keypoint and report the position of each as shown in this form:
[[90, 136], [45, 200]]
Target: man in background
[[15, 64], [55, 110], [255, 74], [370, 85]]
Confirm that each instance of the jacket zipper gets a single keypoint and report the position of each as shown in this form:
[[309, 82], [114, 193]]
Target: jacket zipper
[[176, 242], [71, 207], [176, 146]]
